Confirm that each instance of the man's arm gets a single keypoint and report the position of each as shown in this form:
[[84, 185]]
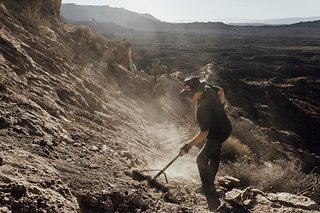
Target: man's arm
[[194, 141], [220, 93], [221, 96]]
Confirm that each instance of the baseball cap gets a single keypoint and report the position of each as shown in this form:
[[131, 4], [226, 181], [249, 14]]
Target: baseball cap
[[192, 84]]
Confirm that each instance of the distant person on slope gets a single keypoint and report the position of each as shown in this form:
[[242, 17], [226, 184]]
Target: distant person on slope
[[214, 125]]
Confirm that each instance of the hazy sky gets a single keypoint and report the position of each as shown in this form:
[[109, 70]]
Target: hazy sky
[[214, 10]]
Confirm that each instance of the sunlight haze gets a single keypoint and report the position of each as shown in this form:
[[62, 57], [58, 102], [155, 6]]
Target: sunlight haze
[[214, 10]]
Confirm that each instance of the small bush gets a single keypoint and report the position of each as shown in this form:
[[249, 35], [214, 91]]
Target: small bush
[[277, 176], [243, 169], [48, 32], [233, 148], [94, 40]]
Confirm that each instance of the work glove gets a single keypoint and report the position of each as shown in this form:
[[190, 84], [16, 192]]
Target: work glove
[[185, 149]]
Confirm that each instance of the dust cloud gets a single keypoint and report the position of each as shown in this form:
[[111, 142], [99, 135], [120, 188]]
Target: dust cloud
[[171, 139], [169, 118]]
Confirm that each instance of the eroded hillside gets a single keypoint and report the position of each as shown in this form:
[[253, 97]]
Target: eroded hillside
[[75, 119], [68, 123]]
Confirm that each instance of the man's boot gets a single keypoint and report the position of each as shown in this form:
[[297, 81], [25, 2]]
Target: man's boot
[[213, 201]]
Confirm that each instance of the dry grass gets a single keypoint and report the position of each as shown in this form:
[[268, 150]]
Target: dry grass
[[48, 32], [33, 16], [233, 148], [277, 176], [94, 40]]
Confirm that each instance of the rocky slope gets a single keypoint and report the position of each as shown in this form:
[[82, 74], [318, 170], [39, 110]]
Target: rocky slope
[[284, 90], [75, 120]]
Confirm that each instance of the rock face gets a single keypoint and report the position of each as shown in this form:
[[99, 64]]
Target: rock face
[[264, 111], [73, 120], [47, 83], [272, 98]]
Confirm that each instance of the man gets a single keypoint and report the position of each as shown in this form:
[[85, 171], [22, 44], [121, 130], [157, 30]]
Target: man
[[214, 125]]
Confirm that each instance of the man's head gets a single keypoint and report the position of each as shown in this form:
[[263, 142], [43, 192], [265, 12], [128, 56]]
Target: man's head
[[192, 85]]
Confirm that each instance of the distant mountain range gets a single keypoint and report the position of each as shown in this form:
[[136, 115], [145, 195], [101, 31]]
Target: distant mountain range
[[104, 14], [146, 22], [285, 21], [289, 20]]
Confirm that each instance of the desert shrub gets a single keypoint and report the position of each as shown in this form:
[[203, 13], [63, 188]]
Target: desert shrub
[[48, 32], [277, 176], [243, 169], [34, 16], [157, 69], [233, 148], [95, 41]]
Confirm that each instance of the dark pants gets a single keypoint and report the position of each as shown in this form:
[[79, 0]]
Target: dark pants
[[208, 163]]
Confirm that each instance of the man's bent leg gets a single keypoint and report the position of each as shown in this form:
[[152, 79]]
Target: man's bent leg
[[206, 171], [208, 163], [215, 158], [213, 198]]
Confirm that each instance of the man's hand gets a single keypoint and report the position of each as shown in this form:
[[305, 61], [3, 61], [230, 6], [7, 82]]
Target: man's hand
[[197, 139], [182, 153], [185, 149]]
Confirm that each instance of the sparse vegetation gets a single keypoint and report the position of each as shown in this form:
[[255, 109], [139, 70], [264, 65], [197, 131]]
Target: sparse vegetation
[[95, 41], [277, 176], [157, 69], [233, 148], [33, 16], [48, 32]]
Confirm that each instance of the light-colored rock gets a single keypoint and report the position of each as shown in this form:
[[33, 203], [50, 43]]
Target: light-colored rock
[[256, 192], [229, 182], [94, 148], [234, 194], [126, 154], [4, 209], [104, 148], [94, 166], [297, 201], [263, 200], [48, 32]]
